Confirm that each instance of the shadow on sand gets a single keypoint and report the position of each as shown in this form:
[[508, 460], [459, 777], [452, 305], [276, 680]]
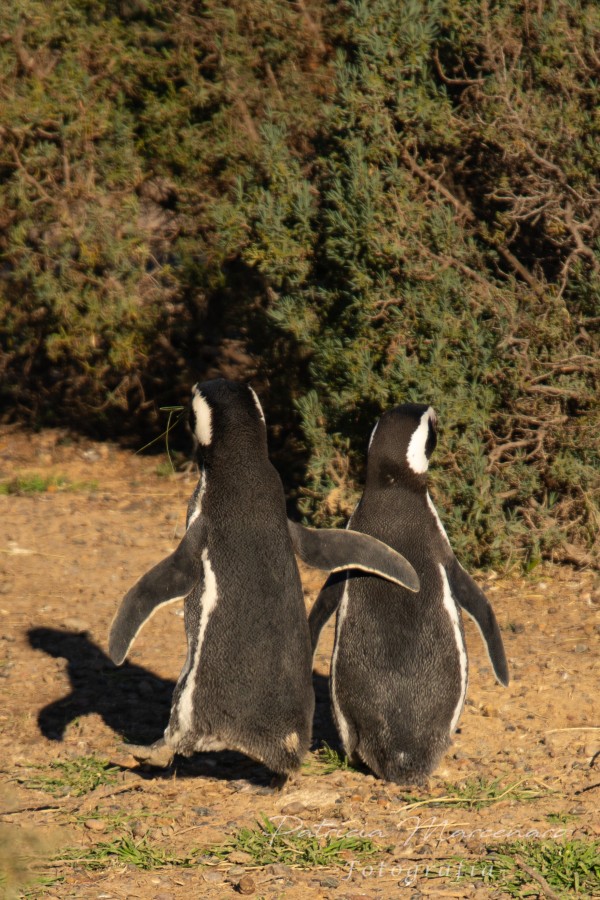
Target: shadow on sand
[[135, 704]]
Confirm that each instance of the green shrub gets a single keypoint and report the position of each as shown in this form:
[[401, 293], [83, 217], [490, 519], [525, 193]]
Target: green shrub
[[456, 261]]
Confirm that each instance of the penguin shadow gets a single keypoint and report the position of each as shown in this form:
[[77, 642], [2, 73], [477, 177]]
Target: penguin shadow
[[132, 701], [324, 730]]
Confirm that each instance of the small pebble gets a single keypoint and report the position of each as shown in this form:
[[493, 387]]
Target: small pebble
[[235, 871], [279, 869], [246, 885], [344, 812], [240, 856], [213, 877], [294, 809], [95, 824]]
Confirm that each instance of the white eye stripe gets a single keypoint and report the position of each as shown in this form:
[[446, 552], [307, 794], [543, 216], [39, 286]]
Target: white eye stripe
[[372, 436], [203, 414], [185, 703], [415, 455], [257, 402]]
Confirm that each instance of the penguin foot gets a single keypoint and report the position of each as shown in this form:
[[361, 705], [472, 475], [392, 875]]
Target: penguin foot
[[158, 754], [279, 781], [355, 761]]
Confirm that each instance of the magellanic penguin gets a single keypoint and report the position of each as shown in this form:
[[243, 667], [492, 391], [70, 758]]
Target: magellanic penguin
[[246, 683], [399, 666]]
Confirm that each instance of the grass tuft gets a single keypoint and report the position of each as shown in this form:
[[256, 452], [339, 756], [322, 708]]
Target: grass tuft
[[125, 850], [267, 845], [475, 793], [570, 866], [73, 776], [561, 818], [41, 484], [327, 760]]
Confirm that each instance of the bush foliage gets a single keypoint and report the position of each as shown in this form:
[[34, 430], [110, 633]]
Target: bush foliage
[[357, 203]]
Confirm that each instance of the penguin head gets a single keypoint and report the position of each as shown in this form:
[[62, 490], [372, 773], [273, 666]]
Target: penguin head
[[402, 443], [226, 411]]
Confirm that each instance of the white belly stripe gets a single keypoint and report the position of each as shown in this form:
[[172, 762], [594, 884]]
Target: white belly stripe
[[452, 611], [342, 611], [342, 724], [201, 491], [437, 518], [208, 602]]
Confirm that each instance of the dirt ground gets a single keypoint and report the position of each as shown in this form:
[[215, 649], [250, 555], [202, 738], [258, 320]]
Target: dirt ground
[[524, 766]]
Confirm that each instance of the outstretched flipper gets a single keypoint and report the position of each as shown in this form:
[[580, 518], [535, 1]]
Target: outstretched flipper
[[475, 603], [325, 605], [333, 549], [172, 579]]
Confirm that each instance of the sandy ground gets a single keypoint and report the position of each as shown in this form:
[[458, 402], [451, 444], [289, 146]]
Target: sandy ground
[[525, 755]]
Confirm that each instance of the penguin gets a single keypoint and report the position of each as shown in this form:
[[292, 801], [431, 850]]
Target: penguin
[[246, 683], [399, 666]]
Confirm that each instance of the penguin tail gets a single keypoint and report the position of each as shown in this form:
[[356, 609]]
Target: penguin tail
[[284, 757], [411, 767]]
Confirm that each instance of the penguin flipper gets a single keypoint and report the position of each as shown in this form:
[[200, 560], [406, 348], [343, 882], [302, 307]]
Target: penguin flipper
[[474, 602], [324, 606], [172, 579], [333, 549]]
